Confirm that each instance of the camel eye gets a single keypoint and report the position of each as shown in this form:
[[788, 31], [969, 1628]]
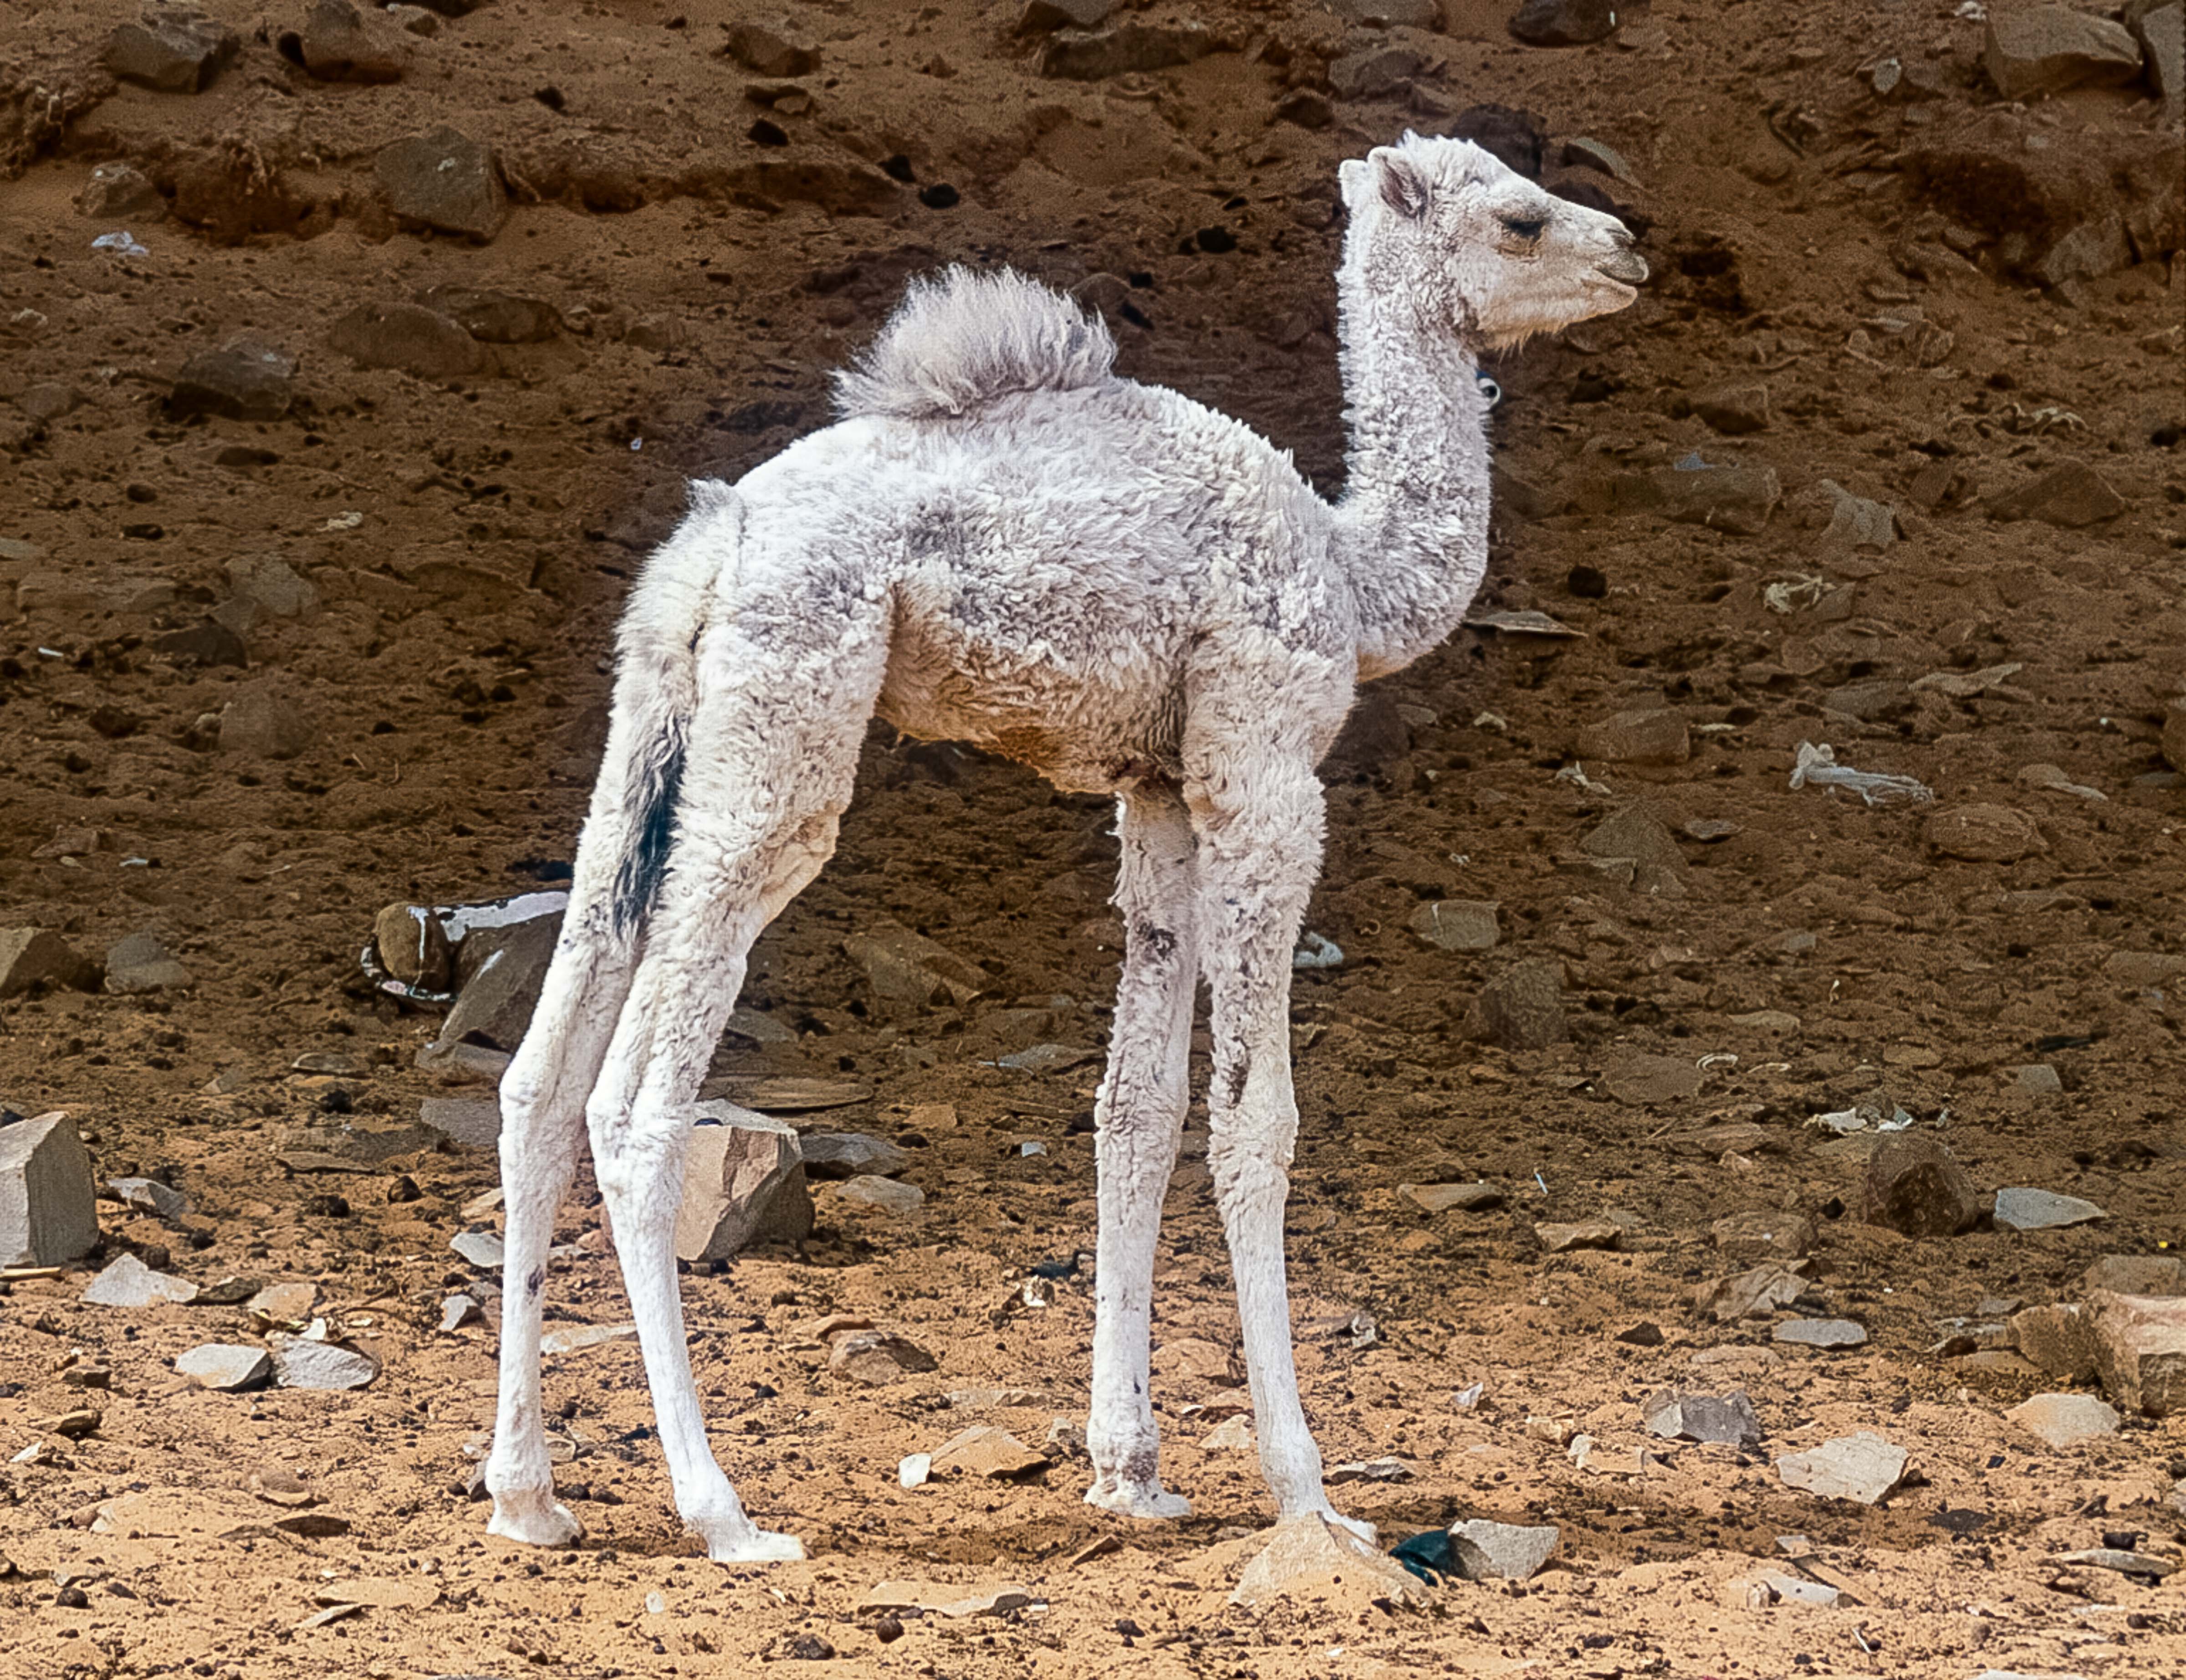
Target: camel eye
[[1525, 226]]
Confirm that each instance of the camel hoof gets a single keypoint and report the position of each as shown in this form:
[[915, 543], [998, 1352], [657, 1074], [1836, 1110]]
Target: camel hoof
[[1148, 1501], [756, 1545], [547, 1523]]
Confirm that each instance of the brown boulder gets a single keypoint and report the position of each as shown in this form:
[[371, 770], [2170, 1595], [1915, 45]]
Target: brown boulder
[[1984, 834], [1915, 1187]]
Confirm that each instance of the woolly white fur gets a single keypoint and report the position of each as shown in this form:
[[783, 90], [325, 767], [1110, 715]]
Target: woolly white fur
[[1003, 543]]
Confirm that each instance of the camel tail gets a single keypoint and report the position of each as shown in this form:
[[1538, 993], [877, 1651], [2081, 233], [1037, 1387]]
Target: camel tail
[[961, 339]]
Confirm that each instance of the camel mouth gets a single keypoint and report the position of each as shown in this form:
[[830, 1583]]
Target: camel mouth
[[1627, 267]]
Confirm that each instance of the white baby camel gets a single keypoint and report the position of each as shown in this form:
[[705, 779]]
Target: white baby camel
[[1003, 542]]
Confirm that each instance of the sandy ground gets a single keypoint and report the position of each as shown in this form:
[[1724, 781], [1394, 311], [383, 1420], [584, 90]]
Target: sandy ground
[[469, 539]]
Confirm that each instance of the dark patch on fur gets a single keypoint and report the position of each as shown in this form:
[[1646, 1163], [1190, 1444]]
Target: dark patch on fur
[[1158, 943], [638, 877], [1238, 1075], [535, 1282]]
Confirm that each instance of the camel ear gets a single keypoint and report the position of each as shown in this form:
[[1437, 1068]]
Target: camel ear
[[1403, 188], [1351, 181]]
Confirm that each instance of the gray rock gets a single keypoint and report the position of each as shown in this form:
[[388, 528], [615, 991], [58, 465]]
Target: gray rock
[[1581, 152], [482, 1248], [769, 52], [408, 337], [1370, 1470], [1916, 1188], [1885, 697], [1564, 23], [2038, 1079], [2162, 32], [272, 585], [120, 191], [890, 1195], [1984, 834], [2033, 50], [458, 1310], [48, 1210], [494, 317], [1751, 1294], [845, 1154], [445, 181], [2064, 1420], [1040, 16], [226, 1367], [1654, 734], [1471, 1198], [2040, 1210], [1821, 1333], [246, 378], [2058, 1338], [151, 1197], [264, 721], [1761, 1236], [1649, 1081], [472, 1121], [743, 1183], [1857, 523], [1457, 924], [338, 43], [1372, 71], [2070, 497], [127, 1282], [2136, 1275], [1075, 55], [498, 999], [2132, 968], [1563, 1238], [1734, 410], [1863, 1468], [302, 1362], [173, 50], [2140, 1351], [1522, 1008], [140, 963], [1303, 1552], [1734, 499], [911, 973], [37, 956], [874, 1358], [1728, 1418], [1501, 1551], [2117, 1558]]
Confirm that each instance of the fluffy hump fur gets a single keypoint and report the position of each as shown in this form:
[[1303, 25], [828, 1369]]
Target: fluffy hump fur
[[961, 339]]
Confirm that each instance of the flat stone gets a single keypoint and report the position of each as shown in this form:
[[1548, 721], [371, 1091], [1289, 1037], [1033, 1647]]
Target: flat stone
[[1457, 924], [769, 52], [482, 1248], [2125, 1562], [500, 993], [246, 378], [2029, 51], [910, 973], [846, 1155], [1649, 1081], [1915, 1187], [1473, 1198], [173, 50], [1522, 1007], [1231, 1435], [48, 1208], [1078, 55], [2071, 496], [874, 1358], [1821, 1333], [1501, 1551], [284, 1306], [272, 585], [149, 1195], [408, 337], [458, 1310], [984, 1450], [743, 1183], [1370, 1470], [1984, 834], [338, 43], [2132, 968], [1563, 1238], [140, 964], [1374, 71], [2136, 1275], [1564, 23], [2039, 1079], [445, 181], [1734, 409], [264, 721], [1582, 151], [1676, 1416], [1751, 1294], [121, 192], [576, 1338], [2066, 1419], [934, 1598], [2058, 1340], [226, 1367], [2160, 29], [2140, 1351], [494, 317], [1734, 499], [127, 1282], [1863, 1468], [1760, 1236], [1645, 735], [37, 956], [1310, 1558], [2040, 1210], [302, 1362], [1041, 15], [890, 1195]]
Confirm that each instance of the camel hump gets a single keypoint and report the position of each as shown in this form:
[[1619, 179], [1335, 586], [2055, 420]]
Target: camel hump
[[961, 339]]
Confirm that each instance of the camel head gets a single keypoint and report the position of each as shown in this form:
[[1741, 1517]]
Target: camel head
[[1476, 248]]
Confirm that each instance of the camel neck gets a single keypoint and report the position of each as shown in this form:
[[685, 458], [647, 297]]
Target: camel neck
[[1412, 527]]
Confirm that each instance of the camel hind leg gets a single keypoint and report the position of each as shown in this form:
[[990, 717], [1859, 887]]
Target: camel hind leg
[[785, 695]]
